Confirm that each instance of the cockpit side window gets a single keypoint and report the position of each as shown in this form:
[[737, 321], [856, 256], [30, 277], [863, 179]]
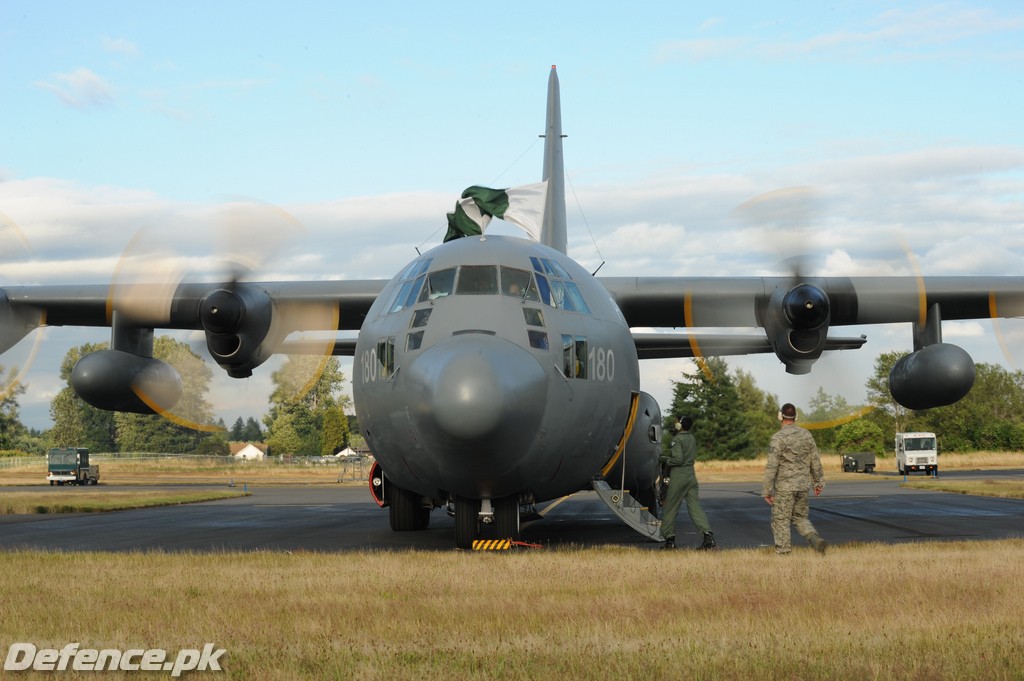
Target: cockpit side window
[[421, 317], [556, 287], [559, 298], [533, 316], [567, 356], [477, 280], [573, 292], [403, 294], [412, 280], [574, 356], [545, 290], [439, 284]]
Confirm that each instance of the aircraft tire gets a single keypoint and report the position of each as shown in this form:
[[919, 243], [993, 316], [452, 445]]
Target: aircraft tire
[[467, 522], [405, 510], [506, 517]]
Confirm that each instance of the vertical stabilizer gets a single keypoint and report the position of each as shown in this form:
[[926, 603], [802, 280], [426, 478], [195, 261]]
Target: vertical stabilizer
[[553, 231]]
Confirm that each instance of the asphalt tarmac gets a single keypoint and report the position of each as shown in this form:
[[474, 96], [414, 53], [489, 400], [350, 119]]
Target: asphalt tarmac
[[855, 507]]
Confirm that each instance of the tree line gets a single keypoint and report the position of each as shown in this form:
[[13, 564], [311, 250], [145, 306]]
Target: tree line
[[734, 418], [306, 417]]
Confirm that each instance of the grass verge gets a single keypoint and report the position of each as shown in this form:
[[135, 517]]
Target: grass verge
[[1002, 488], [68, 501], [910, 611]]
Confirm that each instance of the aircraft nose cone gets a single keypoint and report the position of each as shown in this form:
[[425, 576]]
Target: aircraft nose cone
[[468, 399], [479, 387]]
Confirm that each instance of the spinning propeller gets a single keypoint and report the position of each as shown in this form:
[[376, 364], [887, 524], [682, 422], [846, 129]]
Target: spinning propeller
[[157, 285], [15, 325]]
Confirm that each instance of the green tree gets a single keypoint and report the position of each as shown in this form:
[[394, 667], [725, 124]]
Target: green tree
[[860, 435], [252, 431], [711, 399], [335, 431], [283, 438], [824, 409], [11, 428], [75, 422], [990, 417], [888, 414], [305, 388], [759, 409], [237, 432]]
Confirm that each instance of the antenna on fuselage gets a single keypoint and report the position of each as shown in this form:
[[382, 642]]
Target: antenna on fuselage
[[553, 230]]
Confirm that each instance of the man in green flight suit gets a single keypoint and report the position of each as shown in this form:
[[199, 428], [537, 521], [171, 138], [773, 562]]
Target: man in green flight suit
[[677, 465]]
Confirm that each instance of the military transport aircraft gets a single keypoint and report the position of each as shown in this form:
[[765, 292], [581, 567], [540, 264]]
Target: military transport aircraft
[[494, 373]]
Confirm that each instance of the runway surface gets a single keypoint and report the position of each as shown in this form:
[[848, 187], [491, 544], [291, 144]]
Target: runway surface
[[854, 508]]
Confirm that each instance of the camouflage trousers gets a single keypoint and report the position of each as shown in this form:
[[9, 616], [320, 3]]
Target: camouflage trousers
[[790, 508]]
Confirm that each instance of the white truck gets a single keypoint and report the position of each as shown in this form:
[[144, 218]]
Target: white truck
[[917, 452]]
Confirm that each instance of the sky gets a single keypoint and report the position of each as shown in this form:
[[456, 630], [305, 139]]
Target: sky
[[891, 131]]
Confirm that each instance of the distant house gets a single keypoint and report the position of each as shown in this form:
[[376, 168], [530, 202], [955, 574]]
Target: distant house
[[250, 452], [345, 453]]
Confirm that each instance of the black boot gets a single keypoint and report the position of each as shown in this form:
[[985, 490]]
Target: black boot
[[670, 543], [709, 542]]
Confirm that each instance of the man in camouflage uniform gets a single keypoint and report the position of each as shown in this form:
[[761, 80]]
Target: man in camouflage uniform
[[793, 465], [677, 465]]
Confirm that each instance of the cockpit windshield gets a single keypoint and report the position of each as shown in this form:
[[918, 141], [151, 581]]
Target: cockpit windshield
[[439, 284], [518, 284], [549, 284], [477, 280]]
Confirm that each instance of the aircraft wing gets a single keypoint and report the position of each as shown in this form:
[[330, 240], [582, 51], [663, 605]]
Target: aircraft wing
[[668, 345], [796, 313], [671, 302], [245, 323], [94, 305]]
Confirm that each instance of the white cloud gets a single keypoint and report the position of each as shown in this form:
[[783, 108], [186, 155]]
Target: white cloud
[[80, 89], [958, 209], [967, 329], [120, 46], [922, 33]]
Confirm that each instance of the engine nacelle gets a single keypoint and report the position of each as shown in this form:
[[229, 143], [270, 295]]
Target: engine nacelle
[[121, 381], [796, 322], [237, 322], [934, 376]]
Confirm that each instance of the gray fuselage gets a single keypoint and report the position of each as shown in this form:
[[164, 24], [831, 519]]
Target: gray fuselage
[[494, 366]]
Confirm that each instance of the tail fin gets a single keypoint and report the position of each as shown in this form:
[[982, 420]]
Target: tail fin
[[553, 230]]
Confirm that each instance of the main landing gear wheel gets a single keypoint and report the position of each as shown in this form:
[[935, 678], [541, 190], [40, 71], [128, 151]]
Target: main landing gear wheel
[[406, 511], [506, 517], [467, 522]]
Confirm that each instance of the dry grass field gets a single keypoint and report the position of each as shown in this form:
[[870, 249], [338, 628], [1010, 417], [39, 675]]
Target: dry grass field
[[863, 611], [184, 470], [144, 471], [910, 611], [92, 500], [730, 471]]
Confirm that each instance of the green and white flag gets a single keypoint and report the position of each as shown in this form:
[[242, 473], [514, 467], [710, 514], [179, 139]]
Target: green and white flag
[[522, 206]]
